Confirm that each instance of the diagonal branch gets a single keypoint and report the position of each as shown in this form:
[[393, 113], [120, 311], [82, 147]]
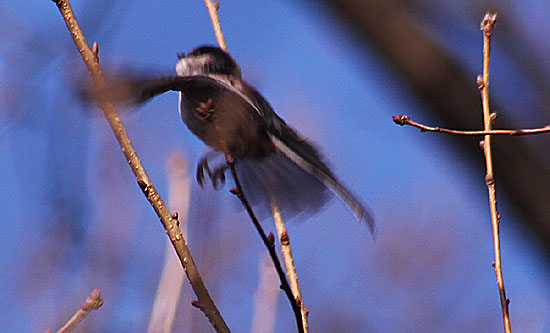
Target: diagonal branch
[[213, 7], [169, 221], [93, 302], [269, 241]]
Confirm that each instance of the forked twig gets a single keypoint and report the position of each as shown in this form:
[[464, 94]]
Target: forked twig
[[169, 221], [487, 26]]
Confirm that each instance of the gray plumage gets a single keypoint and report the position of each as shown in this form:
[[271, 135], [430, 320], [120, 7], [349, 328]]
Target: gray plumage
[[272, 159]]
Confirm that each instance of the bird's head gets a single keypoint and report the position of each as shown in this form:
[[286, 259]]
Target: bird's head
[[206, 60]]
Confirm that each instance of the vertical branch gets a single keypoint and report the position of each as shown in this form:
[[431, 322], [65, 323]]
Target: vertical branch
[[169, 221], [483, 82], [284, 240]]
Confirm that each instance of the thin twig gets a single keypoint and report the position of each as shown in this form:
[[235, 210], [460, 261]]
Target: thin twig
[[284, 239], [169, 221], [405, 120], [295, 303], [487, 26], [269, 242], [93, 302], [213, 7]]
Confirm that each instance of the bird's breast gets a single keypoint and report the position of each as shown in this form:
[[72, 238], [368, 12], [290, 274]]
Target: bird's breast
[[226, 117]]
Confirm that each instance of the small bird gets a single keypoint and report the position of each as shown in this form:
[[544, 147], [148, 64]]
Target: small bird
[[272, 160]]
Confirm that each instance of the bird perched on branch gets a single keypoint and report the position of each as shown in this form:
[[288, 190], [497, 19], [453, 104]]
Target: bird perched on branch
[[273, 161]]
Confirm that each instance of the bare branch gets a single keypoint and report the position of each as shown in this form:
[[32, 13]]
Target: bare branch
[[169, 222], [93, 302], [405, 120], [487, 26], [213, 7], [268, 241]]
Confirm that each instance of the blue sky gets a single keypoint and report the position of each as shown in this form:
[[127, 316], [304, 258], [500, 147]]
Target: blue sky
[[73, 218]]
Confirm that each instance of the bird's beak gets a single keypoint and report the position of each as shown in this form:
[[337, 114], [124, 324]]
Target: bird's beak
[[181, 55]]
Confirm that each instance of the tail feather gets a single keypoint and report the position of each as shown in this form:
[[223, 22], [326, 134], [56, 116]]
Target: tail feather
[[318, 169], [276, 177]]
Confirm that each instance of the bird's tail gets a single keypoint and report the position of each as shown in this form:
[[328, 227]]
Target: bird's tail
[[314, 166]]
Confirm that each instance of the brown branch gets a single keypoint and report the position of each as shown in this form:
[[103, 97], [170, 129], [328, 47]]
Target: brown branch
[[295, 303], [169, 221], [487, 26], [286, 250], [213, 7], [93, 302], [405, 120]]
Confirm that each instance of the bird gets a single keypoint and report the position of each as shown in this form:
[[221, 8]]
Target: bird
[[273, 161]]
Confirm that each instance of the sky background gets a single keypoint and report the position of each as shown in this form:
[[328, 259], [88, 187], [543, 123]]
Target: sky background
[[73, 218]]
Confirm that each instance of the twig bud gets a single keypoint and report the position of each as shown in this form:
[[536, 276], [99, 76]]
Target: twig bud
[[271, 239], [480, 82], [284, 238], [401, 119], [488, 23]]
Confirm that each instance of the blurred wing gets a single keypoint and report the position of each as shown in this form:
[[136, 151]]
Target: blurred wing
[[307, 157], [276, 177], [131, 91]]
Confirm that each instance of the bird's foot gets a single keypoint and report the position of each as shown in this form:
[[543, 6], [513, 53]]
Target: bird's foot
[[205, 109], [217, 176]]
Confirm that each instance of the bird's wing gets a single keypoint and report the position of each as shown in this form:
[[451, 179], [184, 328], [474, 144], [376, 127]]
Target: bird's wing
[[285, 139], [137, 90]]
